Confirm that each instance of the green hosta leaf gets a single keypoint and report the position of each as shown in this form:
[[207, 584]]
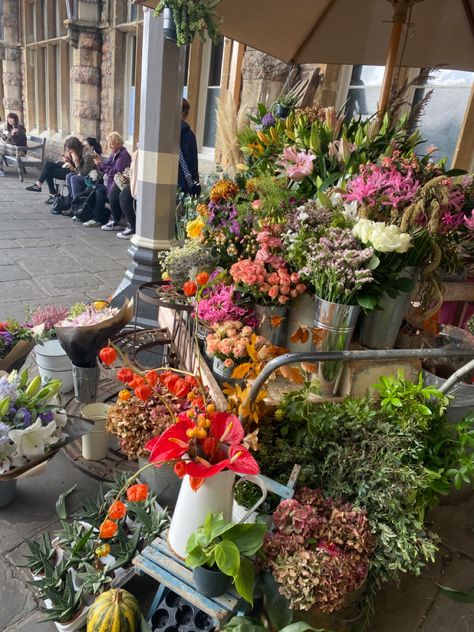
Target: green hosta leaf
[[227, 557], [458, 595], [61, 509], [244, 580], [247, 537]]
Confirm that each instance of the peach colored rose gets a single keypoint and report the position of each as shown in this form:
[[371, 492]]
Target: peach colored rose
[[274, 291], [228, 363], [282, 299], [300, 288]]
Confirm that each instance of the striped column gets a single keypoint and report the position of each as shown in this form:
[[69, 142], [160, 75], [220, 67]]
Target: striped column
[[160, 125]]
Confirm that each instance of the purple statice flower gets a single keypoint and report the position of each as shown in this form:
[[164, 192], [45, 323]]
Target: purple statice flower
[[46, 417], [4, 430], [268, 119]]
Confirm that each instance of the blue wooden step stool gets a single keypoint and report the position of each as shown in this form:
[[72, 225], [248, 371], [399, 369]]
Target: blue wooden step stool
[[158, 562]]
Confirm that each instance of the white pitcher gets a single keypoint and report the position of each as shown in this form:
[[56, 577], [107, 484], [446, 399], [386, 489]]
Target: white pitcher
[[215, 495]]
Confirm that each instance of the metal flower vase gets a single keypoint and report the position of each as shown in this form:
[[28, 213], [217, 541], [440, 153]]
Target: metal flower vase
[[272, 323], [337, 323], [7, 491], [215, 495], [86, 383], [380, 328]]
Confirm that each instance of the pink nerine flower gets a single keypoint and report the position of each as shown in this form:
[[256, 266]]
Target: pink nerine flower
[[469, 221], [295, 164]]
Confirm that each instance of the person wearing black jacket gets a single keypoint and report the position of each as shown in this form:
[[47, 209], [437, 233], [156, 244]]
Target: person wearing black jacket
[[12, 137], [188, 173]]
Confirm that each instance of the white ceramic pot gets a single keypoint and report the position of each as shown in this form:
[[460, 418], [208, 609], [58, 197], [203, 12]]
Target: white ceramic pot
[[215, 495], [75, 624], [95, 444], [53, 362]]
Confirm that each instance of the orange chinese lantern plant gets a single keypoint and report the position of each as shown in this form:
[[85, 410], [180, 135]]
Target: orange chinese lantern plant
[[202, 278], [108, 355], [144, 392], [137, 493], [189, 288], [117, 510], [124, 395], [125, 375], [108, 529]]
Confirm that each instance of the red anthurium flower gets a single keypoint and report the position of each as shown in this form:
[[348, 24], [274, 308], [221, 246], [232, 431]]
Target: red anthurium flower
[[241, 461], [151, 377], [203, 469], [125, 375], [171, 444], [180, 469], [226, 428]]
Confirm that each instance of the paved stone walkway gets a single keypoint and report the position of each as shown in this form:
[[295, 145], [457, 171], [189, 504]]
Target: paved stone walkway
[[48, 258], [45, 258]]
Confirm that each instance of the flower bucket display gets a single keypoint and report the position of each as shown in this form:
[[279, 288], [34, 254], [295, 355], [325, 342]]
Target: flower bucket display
[[53, 362], [272, 323], [337, 323], [86, 383], [95, 444], [380, 328], [222, 372]]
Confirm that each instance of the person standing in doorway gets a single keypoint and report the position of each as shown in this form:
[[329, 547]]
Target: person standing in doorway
[[188, 173]]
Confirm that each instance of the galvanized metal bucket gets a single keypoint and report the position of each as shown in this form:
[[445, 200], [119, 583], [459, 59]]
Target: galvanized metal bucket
[[86, 383], [272, 323], [337, 323]]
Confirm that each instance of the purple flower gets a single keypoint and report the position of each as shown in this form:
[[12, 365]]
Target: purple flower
[[268, 119], [4, 430], [22, 418], [47, 416]]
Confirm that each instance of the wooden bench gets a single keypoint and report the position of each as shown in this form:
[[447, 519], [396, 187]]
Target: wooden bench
[[34, 157]]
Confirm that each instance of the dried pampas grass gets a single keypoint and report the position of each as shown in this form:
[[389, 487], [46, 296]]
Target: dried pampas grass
[[229, 123]]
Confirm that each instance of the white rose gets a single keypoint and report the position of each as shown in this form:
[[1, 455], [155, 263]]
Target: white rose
[[363, 230], [389, 238]]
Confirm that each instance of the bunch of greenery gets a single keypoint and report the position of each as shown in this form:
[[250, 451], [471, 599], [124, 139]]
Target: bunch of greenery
[[224, 546], [180, 262], [385, 456], [192, 17]]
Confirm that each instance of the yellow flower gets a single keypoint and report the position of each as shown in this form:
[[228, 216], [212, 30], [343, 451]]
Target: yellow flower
[[194, 228]]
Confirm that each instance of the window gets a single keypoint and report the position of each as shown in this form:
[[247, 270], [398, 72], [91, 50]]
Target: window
[[130, 85], [209, 93], [364, 91], [441, 121], [47, 71], [1, 20]]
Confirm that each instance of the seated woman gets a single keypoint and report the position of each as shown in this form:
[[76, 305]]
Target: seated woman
[[59, 170], [116, 163], [87, 167], [12, 136]]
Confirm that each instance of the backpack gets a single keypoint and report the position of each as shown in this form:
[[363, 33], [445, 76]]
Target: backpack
[[83, 205], [90, 204], [62, 201]]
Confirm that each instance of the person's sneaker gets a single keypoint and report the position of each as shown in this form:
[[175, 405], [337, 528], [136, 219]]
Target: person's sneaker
[[50, 200], [74, 218], [2, 173], [126, 234], [34, 187], [111, 226], [91, 224]]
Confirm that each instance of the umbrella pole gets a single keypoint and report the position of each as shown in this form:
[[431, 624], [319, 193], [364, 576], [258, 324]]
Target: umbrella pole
[[399, 17]]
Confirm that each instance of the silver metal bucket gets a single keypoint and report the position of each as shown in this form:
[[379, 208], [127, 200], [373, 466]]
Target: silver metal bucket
[[275, 334], [338, 323], [86, 383]]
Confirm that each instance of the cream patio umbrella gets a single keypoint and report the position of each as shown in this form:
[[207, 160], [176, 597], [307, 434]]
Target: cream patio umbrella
[[413, 33]]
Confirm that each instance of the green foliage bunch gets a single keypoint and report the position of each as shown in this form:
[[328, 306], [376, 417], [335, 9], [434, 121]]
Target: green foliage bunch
[[391, 457], [222, 545], [192, 17]]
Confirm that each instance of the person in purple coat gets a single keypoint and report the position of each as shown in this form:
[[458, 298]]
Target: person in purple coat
[[117, 162]]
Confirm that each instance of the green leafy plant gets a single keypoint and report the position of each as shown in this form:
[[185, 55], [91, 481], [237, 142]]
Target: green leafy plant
[[40, 552], [225, 546], [192, 17], [66, 602], [61, 508], [94, 579], [149, 517], [247, 624]]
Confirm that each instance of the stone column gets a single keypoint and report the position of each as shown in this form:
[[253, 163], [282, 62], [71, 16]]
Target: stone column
[[160, 121], [86, 41], [12, 97]]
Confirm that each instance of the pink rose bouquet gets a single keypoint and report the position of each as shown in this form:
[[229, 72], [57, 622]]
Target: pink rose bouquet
[[229, 341]]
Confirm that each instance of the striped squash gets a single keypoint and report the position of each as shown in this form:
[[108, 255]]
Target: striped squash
[[114, 611]]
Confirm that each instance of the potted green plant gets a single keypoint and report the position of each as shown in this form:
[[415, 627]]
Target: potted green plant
[[282, 106], [39, 552], [183, 20], [219, 552], [65, 605]]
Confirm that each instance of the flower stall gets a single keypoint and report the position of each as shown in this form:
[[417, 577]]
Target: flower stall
[[334, 238]]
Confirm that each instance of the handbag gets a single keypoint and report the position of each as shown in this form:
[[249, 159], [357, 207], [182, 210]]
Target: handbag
[[193, 186], [61, 202]]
